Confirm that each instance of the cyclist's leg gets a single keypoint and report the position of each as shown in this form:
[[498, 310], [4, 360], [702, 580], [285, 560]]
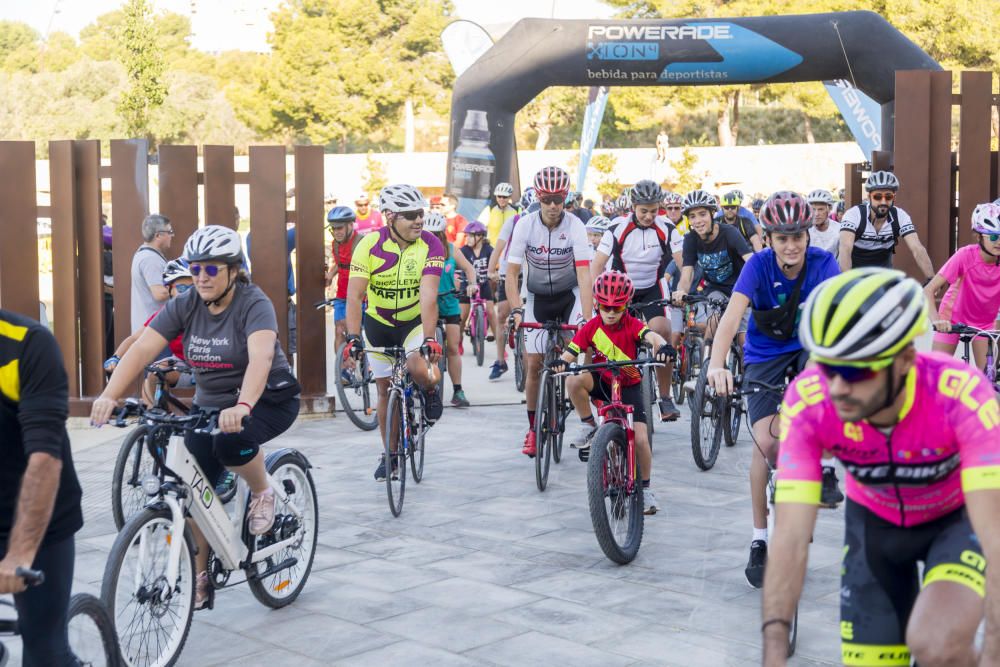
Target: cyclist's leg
[[491, 319], [240, 452], [200, 445], [466, 305], [762, 408], [339, 321], [41, 610], [979, 349], [534, 348], [943, 624], [424, 374], [377, 335], [579, 388], [632, 395], [503, 312], [452, 335]]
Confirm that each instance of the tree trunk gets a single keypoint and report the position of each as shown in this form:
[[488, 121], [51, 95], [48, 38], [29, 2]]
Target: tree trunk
[[409, 130], [544, 134], [736, 117], [722, 123], [810, 138]]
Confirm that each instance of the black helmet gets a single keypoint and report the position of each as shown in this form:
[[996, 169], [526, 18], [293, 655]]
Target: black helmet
[[646, 192]]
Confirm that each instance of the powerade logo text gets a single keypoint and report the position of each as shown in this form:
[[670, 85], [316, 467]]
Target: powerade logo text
[[659, 32], [623, 51]]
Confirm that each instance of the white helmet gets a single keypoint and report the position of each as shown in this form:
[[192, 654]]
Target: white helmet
[[434, 222], [214, 243], [598, 224], [401, 197], [503, 190], [699, 199], [820, 197], [882, 180], [986, 219], [176, 268]]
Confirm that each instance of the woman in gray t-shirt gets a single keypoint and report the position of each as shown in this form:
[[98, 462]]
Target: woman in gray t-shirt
[[231, 342]]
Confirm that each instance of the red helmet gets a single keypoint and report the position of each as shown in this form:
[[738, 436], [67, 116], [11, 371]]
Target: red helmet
[[786, 213], [551, 181], [613, 288]]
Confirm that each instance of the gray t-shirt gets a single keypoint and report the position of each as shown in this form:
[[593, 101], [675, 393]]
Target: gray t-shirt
[[216, 345], [147, 269]]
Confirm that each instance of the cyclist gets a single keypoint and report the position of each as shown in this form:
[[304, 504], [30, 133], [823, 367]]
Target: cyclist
[[825, 232], [755, 206], [367, 219], [596, 226], [972, 277], [478, 252], [642, 247], [39, 490], [772, 286], [720, 250], [917, 433], [340, 220], [623, 208], [529, 201], [494, 216], [870, 231], [231, 341], [613, 335], [177, 279], [734, 214], [674, 211], [496, 270], [553, 245], [448, 304], [398, 271]]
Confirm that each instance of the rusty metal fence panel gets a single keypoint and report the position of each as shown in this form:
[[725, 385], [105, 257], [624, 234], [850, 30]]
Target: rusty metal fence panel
[[19, 225]]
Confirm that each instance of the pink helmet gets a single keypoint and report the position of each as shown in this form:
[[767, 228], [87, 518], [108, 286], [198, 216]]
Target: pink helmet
[[552, 181], [786, 213], [613, 288]]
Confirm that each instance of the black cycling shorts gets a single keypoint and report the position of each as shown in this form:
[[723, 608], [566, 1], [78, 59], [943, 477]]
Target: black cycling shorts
[[631, 395], [485, 291], [654, 293], [880, 582], [763, 404], [452, 319]]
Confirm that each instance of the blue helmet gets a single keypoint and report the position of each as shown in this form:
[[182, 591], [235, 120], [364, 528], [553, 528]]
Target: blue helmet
[[340, 215]]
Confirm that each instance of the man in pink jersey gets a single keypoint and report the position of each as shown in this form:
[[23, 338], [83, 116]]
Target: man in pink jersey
[[918, 435], [367, 219]]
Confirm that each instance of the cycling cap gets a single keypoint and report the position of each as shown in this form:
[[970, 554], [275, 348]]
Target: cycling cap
[[598, 224], [528, 197], [435, 222], [475, 227], [214, 243], [820, 197], [786, 213], [646, 192], [986, 219], [401, 197], [672, 198], [623, 203], [552, 181], [732, 198], [340, 215], [503, 190], [613, 288], [882, 180], [699, 199], [863, 316], [176, 268]]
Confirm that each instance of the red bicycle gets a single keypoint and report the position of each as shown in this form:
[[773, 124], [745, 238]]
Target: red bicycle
[[614, 486]]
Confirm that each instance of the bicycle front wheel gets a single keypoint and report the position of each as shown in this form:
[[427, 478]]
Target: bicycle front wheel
[[733, 416], [519, 374], [395, 450], [648, 392], [706, 434], [131, 466], [416, 453], [153, 615], [354, 389], [614, 494], [91, 632], [545, 426], [479, 334]]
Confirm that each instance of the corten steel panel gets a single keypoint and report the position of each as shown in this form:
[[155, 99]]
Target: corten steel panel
[[178, 192], [269, 258], [87, 156], [220, 191], [18, 228], [973, 149], [912, 131], [881, 160], [309, 258], [852, 184], [129, 205], [939, 192], [65, 295]]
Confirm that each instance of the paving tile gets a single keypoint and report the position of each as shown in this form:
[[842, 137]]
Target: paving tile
[[451, 629], [536, 648], [406, 654], [477, 598]]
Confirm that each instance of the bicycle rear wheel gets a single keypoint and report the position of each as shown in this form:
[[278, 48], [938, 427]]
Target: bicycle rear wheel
[[416, 453], [733, 417], [563, 408], [519, 374], [439, 336], [677, 377], [706, 434], [131, 466], [614, 495], [479, 334], [545, 425], [356, 395], [395, 451], [91, 632]]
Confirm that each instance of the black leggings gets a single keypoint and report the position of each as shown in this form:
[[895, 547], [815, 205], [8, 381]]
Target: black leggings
[[41, 610], [268, 421]]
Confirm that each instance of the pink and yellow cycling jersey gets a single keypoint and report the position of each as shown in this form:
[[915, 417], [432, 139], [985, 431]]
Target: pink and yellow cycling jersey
[[973, 296], [946, 443]]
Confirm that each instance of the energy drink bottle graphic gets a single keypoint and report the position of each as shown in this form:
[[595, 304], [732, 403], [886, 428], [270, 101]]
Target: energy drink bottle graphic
[[473, 165]]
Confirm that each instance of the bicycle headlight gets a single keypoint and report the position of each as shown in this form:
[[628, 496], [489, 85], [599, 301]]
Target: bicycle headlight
[[151, 485]]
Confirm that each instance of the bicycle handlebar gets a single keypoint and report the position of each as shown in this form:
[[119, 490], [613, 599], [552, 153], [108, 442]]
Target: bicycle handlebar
[[31, 577], [695, 298], [576, 369], [550, 326], [974, 332], [756, 386]]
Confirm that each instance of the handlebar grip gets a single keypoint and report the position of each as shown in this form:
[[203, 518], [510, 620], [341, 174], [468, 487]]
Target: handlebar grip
[[31, 577]]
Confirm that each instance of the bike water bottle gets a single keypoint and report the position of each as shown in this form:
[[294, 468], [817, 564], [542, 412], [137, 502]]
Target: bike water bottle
[[473, 165]]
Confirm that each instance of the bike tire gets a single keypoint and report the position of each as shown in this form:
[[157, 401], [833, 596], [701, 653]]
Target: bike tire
[[290, 470], [615, 512], [127, 496], [91, 632], [648, 398], [677, 375], [793, 632], [519, 373], [706, 437], [545, 423], [479, 334], [416, 454], [153, 525], [564, 408], [395, 451], [439, 336], [693, 365], [733, 417], [362, 412]]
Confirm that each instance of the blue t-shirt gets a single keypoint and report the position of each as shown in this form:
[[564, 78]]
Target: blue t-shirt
[[742, 212], [762, 281], [447, 300]]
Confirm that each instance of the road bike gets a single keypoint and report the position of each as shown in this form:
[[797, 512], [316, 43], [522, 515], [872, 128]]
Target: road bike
[[553, 404], [966, 334], [478, 325], [515, 341], [149, 579], [614, 485], [91, 633], [355, 385]]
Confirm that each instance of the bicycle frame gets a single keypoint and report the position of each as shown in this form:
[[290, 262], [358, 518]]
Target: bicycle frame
[[967, 334], [613, 412]]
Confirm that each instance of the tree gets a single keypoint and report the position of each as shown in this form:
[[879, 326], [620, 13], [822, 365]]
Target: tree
[[685, 179], [144, 67], [373, 178], [606, 165], [15, 35], [554, 107]]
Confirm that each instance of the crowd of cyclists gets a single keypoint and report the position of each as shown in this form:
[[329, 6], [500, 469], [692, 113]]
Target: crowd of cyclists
[[808, 290]]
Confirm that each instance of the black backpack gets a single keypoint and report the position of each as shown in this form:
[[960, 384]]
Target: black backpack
[[893, 222]]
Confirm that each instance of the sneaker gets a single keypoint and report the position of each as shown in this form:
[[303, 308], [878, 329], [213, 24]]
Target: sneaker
[[581, 439], [689, 386], [756, 563], [261, 515], [649, 500], [380, 470], [529, 444], [831, 495], [346, 377], [459, 400], [668, 411], [490, 338], [225, 489], [497, 369], [433, 407]]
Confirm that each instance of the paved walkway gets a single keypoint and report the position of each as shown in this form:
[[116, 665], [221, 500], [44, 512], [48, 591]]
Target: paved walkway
[[483, 569]]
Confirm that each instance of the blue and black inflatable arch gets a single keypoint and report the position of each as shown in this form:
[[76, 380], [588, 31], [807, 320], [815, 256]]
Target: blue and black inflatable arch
[[538, 53]]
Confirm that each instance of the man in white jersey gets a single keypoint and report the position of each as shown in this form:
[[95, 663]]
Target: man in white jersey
[[825, 232]]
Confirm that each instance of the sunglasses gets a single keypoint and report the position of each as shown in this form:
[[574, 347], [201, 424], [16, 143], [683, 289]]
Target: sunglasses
[[850, 374], [168, 232], [886, 197], [673, 208], [993, 238], [182, 288], [211, 270], [552, 199], [611, 309], [730, 208], [412, 215]]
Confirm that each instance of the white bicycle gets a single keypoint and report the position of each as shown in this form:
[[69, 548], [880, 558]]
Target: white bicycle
[[149, 579]]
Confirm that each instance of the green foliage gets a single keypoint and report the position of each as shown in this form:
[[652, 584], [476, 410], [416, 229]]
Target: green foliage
[[684, 177], [373, 178], [15, 36], [606, 164], [144, 66]]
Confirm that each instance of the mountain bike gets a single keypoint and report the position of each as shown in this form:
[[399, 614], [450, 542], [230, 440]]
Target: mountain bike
[[687, 365], [478, 325], [91, 632], [355, 385], [966, 334], [614, 485], [149, 579], [650, 387]]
